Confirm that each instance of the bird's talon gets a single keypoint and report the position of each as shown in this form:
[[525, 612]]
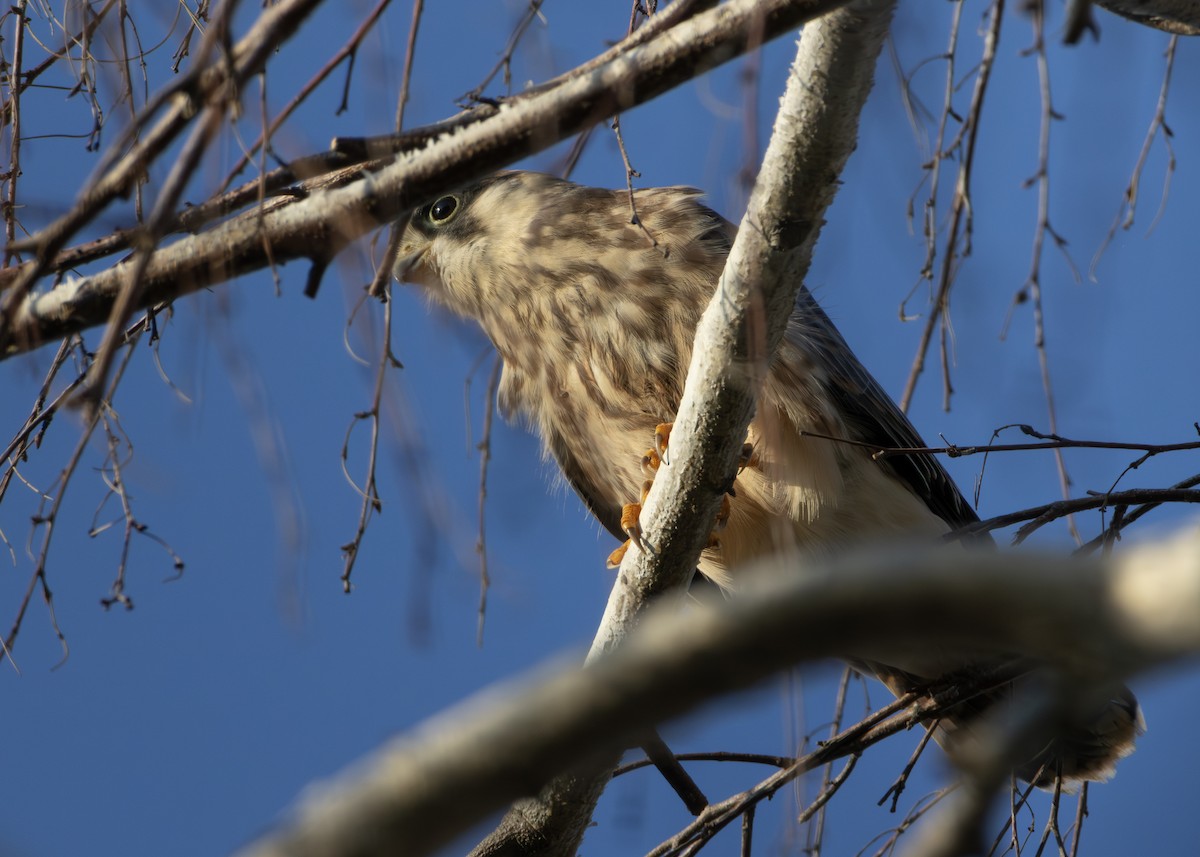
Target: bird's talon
[[630, 513], [614, 558], [650, 463], [662, 439]]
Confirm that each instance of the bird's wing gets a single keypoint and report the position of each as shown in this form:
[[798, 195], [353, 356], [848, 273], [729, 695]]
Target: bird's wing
[[869, 413], [512, 398], [583, 482], [872, 417]]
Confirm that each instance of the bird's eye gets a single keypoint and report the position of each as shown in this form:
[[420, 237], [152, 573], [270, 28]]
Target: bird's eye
[[443, 211]]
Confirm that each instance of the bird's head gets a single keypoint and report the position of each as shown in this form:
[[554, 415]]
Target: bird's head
[[516, 235], [491, 244], [556, 271]]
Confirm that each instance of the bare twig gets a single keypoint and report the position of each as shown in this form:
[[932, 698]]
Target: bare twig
[[716, 756], [410, 54], [532, 12], [348, 51], [14, 111], [485, 457], [1158, 123], [891, 838], [958, 235], [1051, 441], [1039, 516], [1118, 524], [1080, 814], [119, 450], [46, 519], [1032, 288], [898, 785], [369, 490]]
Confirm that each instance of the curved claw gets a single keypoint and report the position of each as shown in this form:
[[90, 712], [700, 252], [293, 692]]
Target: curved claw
[[662, 439], [651, 461], [630, 513], [614, 558]]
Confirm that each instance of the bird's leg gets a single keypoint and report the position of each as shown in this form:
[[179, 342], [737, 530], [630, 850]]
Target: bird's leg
[[652, 459], [629, 524]]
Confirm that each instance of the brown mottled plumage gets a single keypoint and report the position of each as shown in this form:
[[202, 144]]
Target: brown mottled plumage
[[595, 328]]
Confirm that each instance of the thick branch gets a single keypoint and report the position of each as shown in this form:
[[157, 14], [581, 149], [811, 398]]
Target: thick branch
[[320, 223], [125, 165], [1095, 620], [814, 135]]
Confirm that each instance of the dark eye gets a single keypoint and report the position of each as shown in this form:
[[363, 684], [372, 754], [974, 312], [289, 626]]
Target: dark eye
[[443, 210]]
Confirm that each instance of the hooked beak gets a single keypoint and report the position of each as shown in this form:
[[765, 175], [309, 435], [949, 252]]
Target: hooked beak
[[410, 258], [407, 260]]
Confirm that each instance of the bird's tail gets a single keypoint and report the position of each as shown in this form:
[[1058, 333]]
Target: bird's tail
[[1084, 744]]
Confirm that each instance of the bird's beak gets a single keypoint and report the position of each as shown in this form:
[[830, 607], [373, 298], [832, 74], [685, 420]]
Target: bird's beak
[[410, 257]]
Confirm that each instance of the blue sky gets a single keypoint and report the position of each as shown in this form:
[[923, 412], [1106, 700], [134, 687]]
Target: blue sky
[[191, 722]]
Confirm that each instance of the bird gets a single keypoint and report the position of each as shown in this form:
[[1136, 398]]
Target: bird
[[592, 297]]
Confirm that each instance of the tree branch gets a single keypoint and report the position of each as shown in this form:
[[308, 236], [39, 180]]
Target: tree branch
[[317, 220], [815, 133], [1095, 620]]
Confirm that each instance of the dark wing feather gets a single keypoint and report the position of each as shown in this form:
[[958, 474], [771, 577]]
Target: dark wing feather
[[608, 516], [872, 417]]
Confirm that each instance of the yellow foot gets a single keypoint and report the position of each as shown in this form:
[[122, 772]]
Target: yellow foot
[[652, 459], [630, 513], [614, 558], [662, 439]]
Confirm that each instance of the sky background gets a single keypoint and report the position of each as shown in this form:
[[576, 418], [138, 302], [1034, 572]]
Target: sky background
[[187, 725]]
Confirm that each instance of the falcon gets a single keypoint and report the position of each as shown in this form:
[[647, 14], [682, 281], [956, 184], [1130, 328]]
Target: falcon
[[594, 311]]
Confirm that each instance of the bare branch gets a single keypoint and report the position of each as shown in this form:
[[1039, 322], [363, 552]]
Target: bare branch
[[1158, 123], [958, 234], [127, 162], [815, 133], [1093, 619], [318, 219]]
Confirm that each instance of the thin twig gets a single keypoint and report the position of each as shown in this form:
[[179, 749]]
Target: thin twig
[[46, 519], [898, 785], [1080, 814], [369, 490], [917, 706], [14, 150], [505, 62], [958, 236], [1128, 206], [1052, 441], [1032, 288], [346, 51], [1039, 516], [485, 457], [816, 831]]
